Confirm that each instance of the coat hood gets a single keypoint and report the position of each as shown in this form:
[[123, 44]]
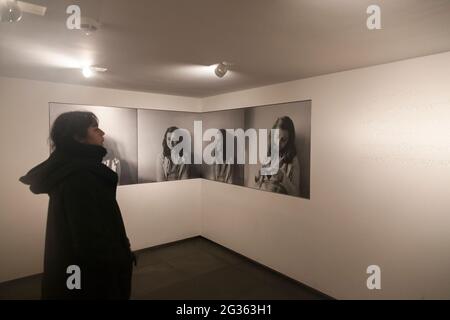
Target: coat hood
[[62, 163]]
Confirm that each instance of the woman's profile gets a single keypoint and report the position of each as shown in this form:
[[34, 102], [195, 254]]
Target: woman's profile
[[84, 224], [287, 179]]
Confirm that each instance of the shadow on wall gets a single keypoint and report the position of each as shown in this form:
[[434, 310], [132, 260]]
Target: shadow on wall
[[115, 159]]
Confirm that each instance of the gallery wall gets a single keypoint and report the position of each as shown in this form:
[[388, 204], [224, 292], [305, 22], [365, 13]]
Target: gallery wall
[[380, 161], [150, 214], [380, 174], [139, 143]]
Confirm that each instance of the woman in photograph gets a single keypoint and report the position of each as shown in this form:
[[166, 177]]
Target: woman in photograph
[[287, 179], [223, 172], [166, 169], [85, 234]]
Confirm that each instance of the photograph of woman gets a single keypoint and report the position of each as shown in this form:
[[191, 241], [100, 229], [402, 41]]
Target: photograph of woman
[[287, 179], [166, 169], [224, 172]]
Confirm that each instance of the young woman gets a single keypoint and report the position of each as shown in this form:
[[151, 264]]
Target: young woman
[[84, 223], [166, 169], [224, 172], [287, 179]]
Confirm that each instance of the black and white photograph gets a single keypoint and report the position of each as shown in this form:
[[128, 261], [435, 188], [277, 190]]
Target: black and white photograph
[[229, 171], [293, 120], [224, 150], [156, 139], [140, 141], [120, 127]]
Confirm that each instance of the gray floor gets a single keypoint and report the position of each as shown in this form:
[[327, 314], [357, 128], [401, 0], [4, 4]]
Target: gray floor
[[191, 269]]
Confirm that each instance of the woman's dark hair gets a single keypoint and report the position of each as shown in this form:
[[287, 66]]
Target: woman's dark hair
[[70, 127], [223, 132], [289, 151], [166, 149]]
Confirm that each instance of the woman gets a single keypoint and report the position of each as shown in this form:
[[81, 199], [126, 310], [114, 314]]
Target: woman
[[287, 179], [166, 169], [84, 224], [223, 172]]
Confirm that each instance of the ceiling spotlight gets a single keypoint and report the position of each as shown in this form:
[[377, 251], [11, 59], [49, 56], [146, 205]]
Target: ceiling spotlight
[[89, 71], [222, 69], [10, 11]]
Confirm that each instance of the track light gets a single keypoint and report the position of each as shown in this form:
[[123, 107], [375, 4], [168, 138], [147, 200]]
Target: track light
[[10, 11], [221, 69], [89, 71]]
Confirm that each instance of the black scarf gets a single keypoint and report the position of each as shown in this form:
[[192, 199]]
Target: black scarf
[[65, 161], [77, 150]]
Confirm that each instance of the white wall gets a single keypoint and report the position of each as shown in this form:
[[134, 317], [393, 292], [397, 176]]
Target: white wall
[[150, 214], [380, 170], [380, 176]]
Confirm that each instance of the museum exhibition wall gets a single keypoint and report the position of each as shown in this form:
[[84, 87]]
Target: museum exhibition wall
[[140, 143], [373, 173], [149, 212], [380, 169]]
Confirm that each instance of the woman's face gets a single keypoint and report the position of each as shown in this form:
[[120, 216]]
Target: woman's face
[[172, 140], [284, 138], [94, 135]]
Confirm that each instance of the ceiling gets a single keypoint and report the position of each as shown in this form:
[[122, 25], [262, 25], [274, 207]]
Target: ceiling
[[166, 46]]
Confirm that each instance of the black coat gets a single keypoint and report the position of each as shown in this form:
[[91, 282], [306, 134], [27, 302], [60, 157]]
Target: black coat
[[84, 225]]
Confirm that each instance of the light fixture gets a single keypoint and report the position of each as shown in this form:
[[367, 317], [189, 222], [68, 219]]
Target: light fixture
[[221, 69], [10, 11], [89, 71], [89, 25]]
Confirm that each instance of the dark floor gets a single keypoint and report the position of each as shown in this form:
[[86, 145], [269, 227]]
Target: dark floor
[[191, 269]]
